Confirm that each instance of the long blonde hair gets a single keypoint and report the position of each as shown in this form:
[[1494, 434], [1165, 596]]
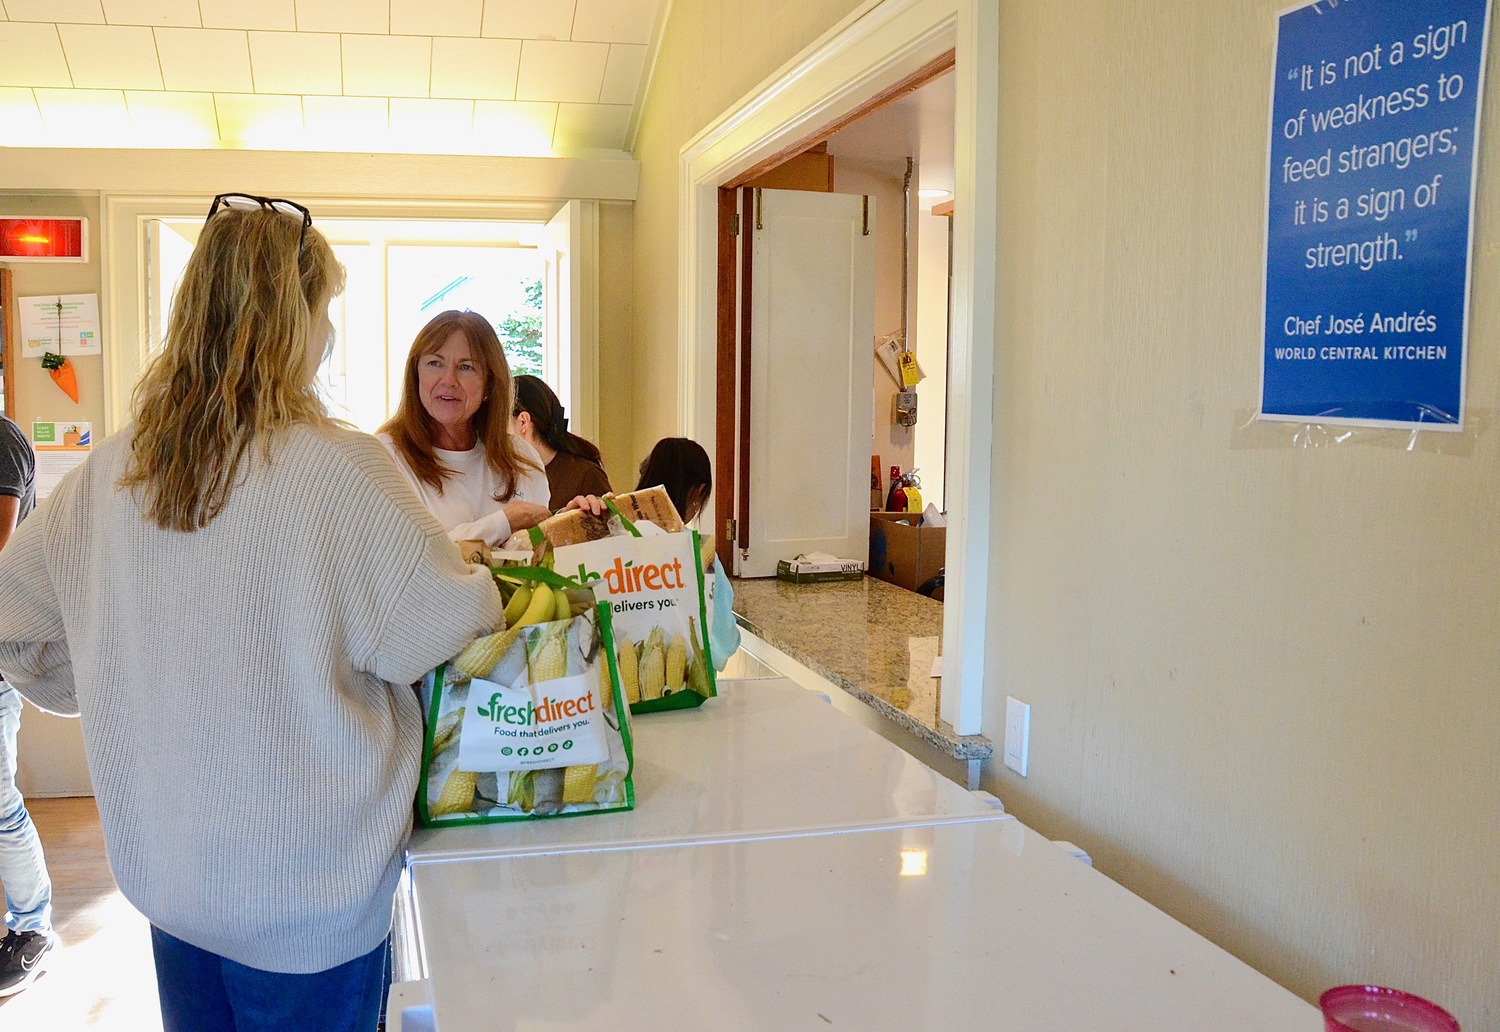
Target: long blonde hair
[[232, 369], [411, 428]]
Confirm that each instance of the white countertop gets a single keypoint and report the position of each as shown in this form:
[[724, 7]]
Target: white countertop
[[759, 885], [1001, 930], [765, 757]]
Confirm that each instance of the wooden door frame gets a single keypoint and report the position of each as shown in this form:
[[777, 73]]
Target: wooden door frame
[[8, 329], [876, 47]]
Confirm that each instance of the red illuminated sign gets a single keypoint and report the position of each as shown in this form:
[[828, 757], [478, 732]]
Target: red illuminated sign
[[43, 239]]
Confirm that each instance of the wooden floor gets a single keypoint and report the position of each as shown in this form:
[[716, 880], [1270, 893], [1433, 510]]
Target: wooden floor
[[102, 976]]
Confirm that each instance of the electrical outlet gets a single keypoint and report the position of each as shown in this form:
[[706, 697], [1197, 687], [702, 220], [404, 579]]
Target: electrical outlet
[[1017, 733]]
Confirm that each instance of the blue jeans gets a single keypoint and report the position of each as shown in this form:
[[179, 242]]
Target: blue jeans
[[204, 992], [23, 872]]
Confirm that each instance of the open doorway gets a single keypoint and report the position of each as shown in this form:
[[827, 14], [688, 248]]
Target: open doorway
[[867, 56], [896, 160]]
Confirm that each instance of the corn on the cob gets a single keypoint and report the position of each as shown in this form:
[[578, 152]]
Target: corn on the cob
[[446, 731], [653, 673], [676, 665], [578, 783], [483, 653], [547, 656], [606, 686], [630, 674], [522, 789], [457, 795], [697, 667]]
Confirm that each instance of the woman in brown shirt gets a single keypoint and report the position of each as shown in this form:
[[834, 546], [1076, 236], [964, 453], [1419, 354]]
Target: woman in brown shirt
[[573, 464]]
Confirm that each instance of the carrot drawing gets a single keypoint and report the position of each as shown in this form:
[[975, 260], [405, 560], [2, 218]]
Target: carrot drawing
[[62, 373]]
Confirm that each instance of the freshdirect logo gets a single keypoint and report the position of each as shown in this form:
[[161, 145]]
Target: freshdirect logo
[[548, 711], [624, 578]]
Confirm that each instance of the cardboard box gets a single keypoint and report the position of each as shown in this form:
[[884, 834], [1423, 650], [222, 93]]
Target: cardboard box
[[818, 573], [904, 555]]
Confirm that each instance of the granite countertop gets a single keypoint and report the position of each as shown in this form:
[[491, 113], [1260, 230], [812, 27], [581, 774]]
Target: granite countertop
[[872, 639]]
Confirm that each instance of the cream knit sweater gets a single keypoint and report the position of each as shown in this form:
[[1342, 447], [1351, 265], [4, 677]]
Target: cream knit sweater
[[245, 689]]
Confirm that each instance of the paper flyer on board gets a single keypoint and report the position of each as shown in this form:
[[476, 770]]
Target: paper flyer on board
[[64, 323], [60, 448]]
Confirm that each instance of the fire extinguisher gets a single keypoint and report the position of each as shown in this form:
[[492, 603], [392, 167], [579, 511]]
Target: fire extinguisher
[[896, 500]]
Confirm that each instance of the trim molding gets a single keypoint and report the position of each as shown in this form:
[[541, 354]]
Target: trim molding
[[876, 47]]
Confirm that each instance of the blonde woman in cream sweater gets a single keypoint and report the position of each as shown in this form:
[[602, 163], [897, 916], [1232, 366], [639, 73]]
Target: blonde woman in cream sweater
[[235, 596]]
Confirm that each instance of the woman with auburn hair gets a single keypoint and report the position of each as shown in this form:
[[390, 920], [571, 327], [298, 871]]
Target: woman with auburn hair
[[451, 435], [235, 594], [574, 466]]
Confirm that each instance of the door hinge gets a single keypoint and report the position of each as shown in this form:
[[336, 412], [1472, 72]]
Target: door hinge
[[735, 229], [731, 529], [865, 216]]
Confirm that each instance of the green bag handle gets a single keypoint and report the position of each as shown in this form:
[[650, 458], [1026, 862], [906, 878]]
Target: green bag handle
[[538, 574], [624, 520]]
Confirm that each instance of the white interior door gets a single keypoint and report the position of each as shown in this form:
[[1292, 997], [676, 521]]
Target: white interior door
[[812, 297], [571, 313]]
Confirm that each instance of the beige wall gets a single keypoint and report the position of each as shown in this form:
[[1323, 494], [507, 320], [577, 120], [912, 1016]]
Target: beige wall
[[616, 247], [1265, 681]]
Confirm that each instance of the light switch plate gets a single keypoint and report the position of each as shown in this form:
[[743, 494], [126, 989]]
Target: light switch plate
[[1017, 733]]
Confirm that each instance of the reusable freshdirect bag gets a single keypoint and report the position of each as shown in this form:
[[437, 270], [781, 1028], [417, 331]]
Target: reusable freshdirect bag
[[529, 722], [659, 613]]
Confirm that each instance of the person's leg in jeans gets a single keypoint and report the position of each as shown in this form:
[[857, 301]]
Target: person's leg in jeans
[[23, 872], [190, 985], [203, 992], [28, 890]]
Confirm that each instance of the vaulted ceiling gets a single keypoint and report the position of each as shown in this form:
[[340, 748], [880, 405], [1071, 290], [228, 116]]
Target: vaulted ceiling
[[493, 77]]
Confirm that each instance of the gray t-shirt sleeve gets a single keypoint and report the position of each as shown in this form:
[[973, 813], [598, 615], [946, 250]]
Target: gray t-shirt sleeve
[[17, 465]]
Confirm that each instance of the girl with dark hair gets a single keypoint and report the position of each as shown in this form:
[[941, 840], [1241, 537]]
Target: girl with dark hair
[[574, 466], [681, 467]]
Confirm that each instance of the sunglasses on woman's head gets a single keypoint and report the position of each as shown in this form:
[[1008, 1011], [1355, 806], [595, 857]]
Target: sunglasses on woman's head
[[250, 202]]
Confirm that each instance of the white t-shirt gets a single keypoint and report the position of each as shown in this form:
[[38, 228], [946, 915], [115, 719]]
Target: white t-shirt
[[466, 506]]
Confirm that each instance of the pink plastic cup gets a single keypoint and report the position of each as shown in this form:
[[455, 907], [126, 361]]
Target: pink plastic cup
[[1370, 1008]]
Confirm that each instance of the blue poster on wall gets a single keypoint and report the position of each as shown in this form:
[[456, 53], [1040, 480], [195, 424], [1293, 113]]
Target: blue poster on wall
[[1373, 151]]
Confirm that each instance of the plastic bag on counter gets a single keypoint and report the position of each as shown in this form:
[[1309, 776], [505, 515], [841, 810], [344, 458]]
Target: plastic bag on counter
[[529, 722]]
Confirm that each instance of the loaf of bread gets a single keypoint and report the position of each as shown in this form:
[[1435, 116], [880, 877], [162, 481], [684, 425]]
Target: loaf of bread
[[653, 504], [575, 526]]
